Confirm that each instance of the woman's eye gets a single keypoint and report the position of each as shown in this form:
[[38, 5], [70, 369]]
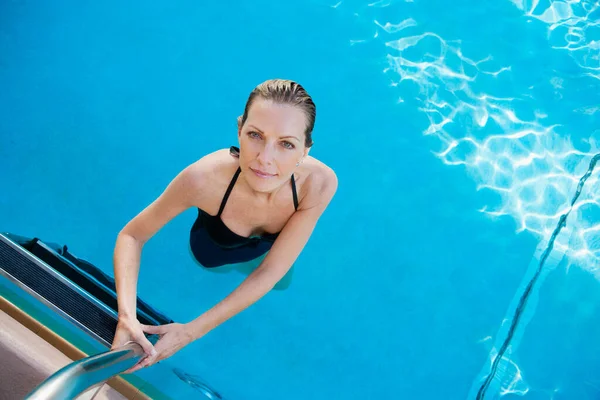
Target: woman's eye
[[288, 145], [254, 135]]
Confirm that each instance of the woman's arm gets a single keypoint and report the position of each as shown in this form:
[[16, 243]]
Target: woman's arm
[[176, 198], [275, 265]]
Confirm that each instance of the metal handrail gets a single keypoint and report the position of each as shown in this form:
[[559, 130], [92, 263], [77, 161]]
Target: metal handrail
[[77, 377]]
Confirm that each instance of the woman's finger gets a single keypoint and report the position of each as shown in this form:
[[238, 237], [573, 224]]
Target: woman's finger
[[146, 346], [157, 330]]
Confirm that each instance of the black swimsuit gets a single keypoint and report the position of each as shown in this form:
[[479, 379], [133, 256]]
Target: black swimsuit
[[214, 244]]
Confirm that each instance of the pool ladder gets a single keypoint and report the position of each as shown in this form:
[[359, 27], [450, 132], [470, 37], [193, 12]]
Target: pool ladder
[[65, 284], [79, 376]]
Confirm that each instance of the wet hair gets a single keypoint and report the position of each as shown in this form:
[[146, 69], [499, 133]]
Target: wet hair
[[283, 91]]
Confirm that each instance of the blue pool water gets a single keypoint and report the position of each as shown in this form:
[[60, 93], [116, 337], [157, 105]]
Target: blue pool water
[[460, 133]]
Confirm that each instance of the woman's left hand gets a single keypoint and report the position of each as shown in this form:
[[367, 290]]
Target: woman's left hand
[[172, 338]]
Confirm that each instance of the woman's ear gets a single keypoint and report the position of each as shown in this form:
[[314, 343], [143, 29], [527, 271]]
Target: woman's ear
[[306, 150], [239, 124]]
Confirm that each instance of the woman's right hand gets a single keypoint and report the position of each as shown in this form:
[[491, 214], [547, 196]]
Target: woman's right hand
[[130, 330]]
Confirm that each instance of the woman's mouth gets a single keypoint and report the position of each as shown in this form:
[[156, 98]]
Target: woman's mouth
[[262, 174]]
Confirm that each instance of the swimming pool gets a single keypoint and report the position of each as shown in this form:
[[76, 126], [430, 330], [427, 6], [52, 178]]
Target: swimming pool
[[460, 135]]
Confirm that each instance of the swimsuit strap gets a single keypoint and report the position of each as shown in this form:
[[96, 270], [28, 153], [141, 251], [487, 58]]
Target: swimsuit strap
[[228, 192], [294, 193]]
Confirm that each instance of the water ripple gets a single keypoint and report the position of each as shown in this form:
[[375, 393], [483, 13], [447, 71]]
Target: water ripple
[[573, 26], [532, 167], [497, 359]]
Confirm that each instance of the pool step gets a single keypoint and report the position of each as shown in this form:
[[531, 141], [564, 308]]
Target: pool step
[[72, 287]]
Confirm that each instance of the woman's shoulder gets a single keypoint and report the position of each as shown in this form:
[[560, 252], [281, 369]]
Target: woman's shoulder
[[213, 170], [213, 166], [320, 183]]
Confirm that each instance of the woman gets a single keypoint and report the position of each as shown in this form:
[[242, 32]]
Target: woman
[[263, 198]]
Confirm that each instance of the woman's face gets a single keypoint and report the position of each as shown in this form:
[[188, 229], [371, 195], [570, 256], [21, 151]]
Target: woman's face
[[271, 143]]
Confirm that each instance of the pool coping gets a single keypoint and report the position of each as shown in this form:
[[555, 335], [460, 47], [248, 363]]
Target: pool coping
[[125, 388]]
